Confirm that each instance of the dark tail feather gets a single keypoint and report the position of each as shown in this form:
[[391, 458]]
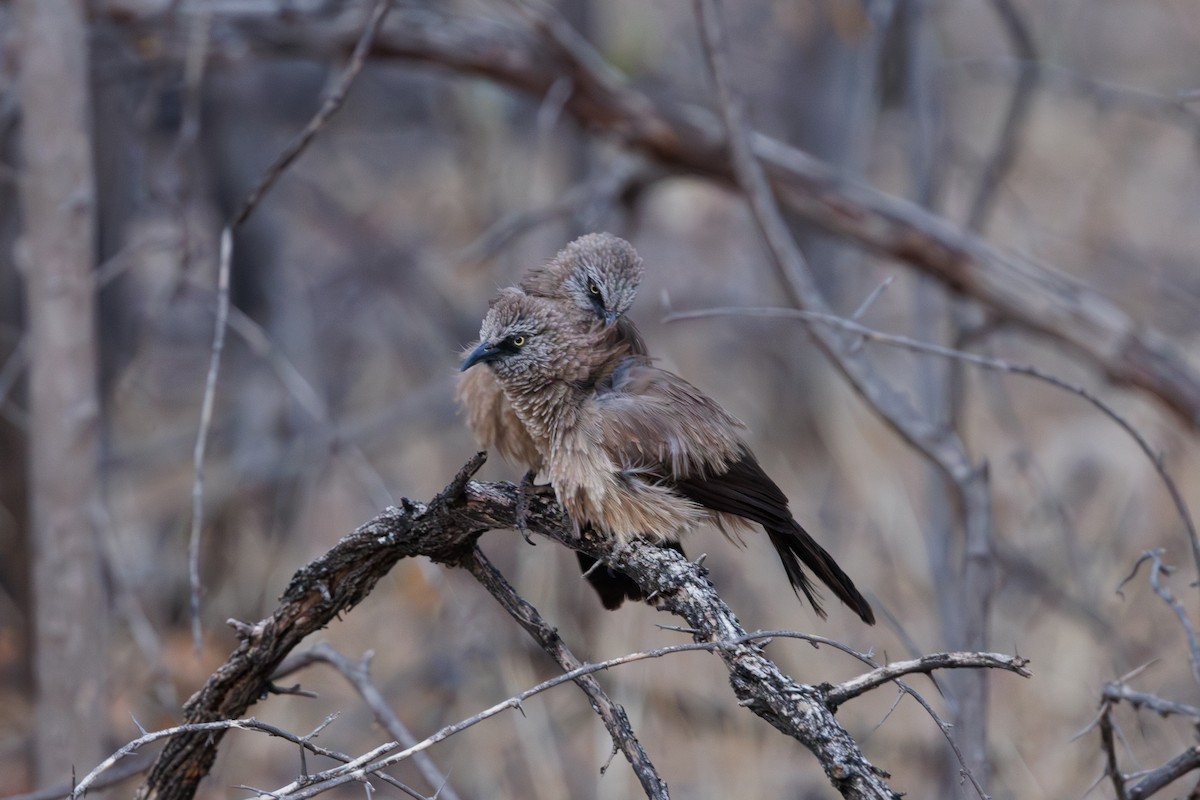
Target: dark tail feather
[[796, 547], [614, 587]]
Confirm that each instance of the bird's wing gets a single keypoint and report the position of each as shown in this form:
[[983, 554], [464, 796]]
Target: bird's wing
[[651, 421]]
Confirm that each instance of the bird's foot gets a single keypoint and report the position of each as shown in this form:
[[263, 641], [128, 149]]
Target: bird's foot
[[525, 490]]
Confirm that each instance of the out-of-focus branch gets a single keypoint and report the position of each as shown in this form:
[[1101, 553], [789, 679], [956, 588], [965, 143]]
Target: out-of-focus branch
[[939, 444], [290, 153], [689, 140], [1158, 569], [987, 362], [1102, 95], [1149, 781], [1118, 691], [358, 59], [1015, 116]]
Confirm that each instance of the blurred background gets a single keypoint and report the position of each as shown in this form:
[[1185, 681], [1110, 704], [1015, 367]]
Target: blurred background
[[369, 265]]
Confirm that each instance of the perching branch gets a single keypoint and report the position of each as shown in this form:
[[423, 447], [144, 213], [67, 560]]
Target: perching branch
[[445, 530]]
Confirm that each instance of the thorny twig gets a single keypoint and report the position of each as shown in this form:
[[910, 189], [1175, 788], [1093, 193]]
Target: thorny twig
[[375, 760], [91, 780], [330, 107], [357, 673]]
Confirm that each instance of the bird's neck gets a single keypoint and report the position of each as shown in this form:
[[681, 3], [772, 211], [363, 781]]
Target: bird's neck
[[546, 407]]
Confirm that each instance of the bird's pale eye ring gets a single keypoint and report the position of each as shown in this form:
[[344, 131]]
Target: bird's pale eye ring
[[519, 341], [593, 288]]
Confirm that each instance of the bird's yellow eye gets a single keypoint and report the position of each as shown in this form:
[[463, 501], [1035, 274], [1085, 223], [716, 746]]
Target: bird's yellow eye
[[518, 340], [593, 288]]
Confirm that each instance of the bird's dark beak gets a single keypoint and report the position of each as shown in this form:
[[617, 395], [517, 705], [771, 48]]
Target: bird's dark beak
[[485, 352], [610, 317]]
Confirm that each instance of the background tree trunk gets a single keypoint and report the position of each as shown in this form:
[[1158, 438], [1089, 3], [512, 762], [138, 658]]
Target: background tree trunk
[[58, 208]]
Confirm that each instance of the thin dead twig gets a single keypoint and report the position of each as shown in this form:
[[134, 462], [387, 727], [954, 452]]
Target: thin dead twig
[[1158, 568], [1118, 691], [347, 772], [1015, 116], [1174, 769], [1109, 744], [206, 412], [330, 107], [889, 672], [357, 674], [130, 766], [91, 780], [615, 720]]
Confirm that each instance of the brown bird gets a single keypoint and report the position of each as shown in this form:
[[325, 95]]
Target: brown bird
[[594, 278], [634, 450]]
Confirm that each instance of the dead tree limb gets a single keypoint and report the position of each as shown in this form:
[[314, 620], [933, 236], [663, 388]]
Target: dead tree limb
[[445, 530]]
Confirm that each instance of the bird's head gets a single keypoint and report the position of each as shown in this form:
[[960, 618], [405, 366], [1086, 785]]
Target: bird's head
[[523, 338], [597, 274]]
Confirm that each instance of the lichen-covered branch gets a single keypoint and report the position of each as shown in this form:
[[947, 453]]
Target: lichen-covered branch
[[445, 530]]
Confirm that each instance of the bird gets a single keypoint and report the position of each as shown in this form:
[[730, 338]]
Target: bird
[[634, 450], [594, 278]]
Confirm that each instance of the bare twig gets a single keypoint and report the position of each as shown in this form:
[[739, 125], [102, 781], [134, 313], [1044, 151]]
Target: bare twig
[[1118, 691], [206, 410], [330, 107], [358, 675], [864, 683], [345, 773], [1158, 568], [1174, 769], [611, 714], [1108, 741], [375, 760], [988, 362], [130, 766], [91, 780]]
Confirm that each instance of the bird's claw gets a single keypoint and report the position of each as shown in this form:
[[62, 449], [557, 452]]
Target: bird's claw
[[524, 489]]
